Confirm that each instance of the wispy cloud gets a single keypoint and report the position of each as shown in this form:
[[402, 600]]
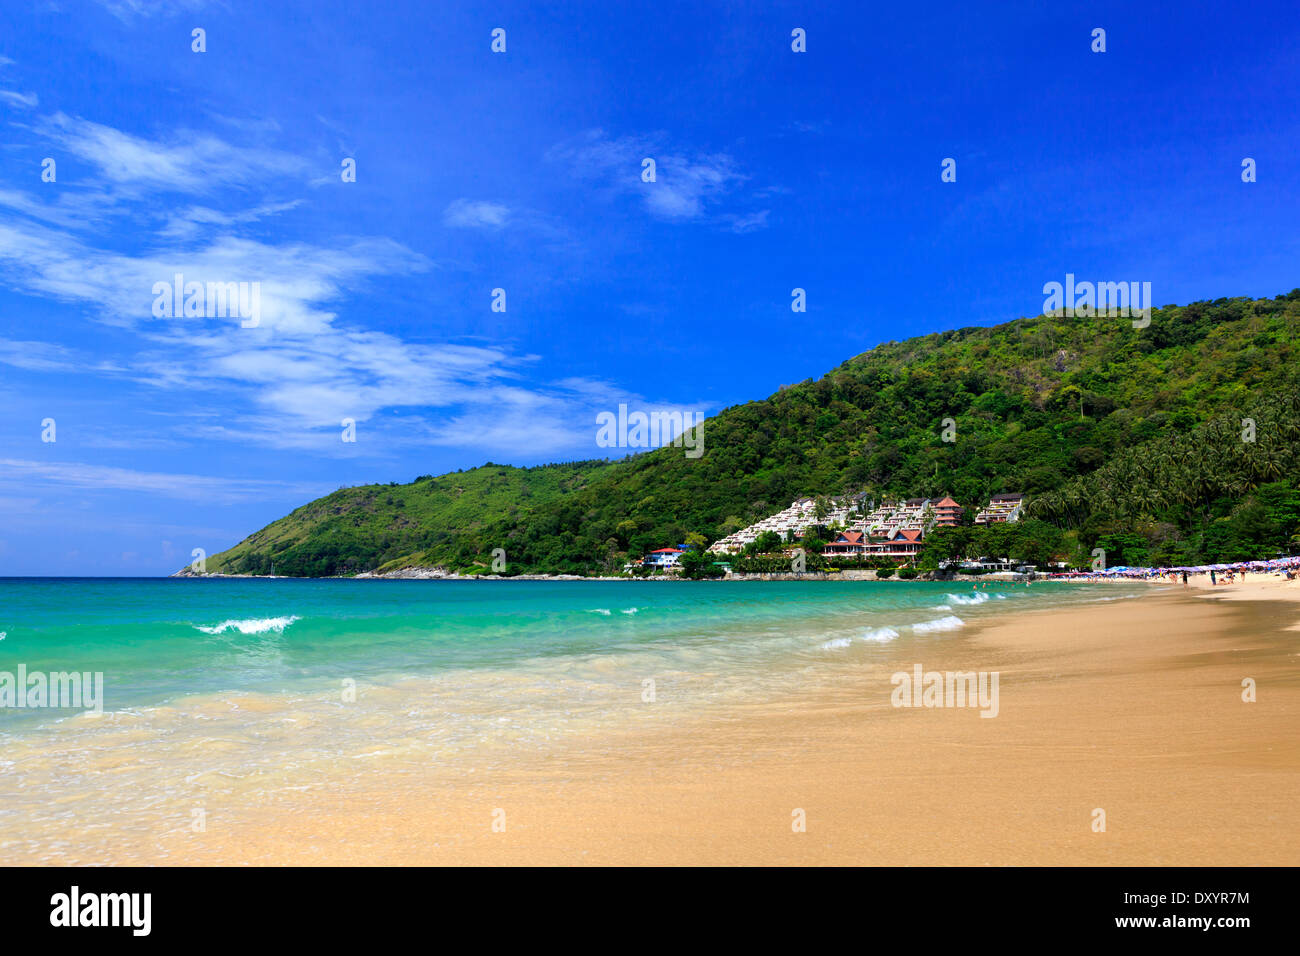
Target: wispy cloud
[[291, 381], [68, 209], [191, 222], [688, 186], [475, 214], [128, 10], [559, 419], [750, 223], [311, 363], [35, 356], [209, 488], [190, 162], [24, 100]]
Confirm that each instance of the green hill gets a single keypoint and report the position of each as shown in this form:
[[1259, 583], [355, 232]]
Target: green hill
[[1043, 405], [371, 527]]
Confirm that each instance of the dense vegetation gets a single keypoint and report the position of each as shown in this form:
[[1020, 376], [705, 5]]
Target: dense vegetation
[[1226, 491], [373, 527], [1126, 439]]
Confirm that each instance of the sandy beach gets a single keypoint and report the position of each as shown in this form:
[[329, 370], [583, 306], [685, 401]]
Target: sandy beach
[[1130, 706]]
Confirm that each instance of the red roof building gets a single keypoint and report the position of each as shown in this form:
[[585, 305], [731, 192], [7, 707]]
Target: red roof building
[[850, 542], [947, 513]]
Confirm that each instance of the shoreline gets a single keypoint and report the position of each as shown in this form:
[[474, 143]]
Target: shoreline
[[853, 574], [1129, 706]]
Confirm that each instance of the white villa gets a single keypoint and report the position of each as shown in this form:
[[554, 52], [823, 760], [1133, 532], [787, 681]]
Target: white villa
[[1001, 508], [885, 522], [663, 558], [789, 524]]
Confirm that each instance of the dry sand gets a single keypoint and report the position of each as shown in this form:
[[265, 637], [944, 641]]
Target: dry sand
[[1131, 706]]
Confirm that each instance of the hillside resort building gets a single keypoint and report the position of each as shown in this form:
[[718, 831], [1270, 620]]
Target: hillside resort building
[[1001, 508], [895, 529]]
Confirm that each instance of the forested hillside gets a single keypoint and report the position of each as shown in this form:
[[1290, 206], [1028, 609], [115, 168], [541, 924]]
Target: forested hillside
[[1113, 430], [370, 526]]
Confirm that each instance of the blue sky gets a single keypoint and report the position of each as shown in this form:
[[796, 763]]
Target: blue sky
[[522, 171]]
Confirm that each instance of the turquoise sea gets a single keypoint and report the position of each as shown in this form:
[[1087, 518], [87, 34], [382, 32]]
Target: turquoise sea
[[220, 690], [160, 640]]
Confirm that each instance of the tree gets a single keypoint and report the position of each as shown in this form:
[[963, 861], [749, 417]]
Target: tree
[[698, 564], [696, 541]]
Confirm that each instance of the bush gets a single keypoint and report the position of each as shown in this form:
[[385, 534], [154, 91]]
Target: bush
[[906, 574], [774, 564], [884, 572]]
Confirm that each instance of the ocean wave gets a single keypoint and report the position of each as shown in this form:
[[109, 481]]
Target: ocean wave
[[942, 607], [879, 634], [978, 597], [599, 610], [949, 623], [630, 610], [251, 625], [837, 643]]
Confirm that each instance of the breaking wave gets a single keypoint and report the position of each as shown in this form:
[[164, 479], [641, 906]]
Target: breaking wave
[[949, 623], [252, 625]]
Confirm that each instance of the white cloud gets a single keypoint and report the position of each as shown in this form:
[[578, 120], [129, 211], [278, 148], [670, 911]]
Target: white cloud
[[74, 208], [24, 100], [295, 279], [560, 419], [687, 186], [472, 214], [35, 356], [192, 162], [302, 371], [289, 382], [190, 222], [205, 488], [750, 223], [128, 10]]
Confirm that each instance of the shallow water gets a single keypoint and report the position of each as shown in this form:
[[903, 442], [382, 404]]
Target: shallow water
[[221, 692]]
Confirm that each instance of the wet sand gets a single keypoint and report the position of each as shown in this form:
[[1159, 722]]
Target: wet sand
[[1129, 706]]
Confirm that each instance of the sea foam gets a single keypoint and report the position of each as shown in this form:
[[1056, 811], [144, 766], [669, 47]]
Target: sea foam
[[976, 597], [252, 625], [879, 634], [949, 623]]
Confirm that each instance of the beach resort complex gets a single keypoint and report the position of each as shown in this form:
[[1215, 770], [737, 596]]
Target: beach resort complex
[[894, 529]]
